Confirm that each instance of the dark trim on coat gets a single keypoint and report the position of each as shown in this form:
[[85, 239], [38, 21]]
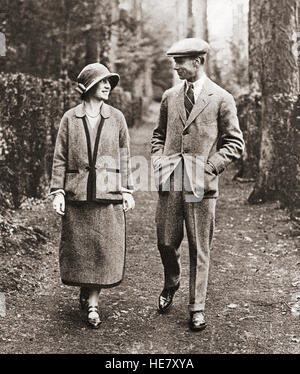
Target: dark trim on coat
[[72, 171], [91, 184], [113, 170], [99, 201]]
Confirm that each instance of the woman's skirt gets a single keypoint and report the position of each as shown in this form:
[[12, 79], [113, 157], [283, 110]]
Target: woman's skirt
[[92, 248]]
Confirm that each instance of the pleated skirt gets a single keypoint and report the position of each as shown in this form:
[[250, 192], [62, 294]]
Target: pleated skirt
[[92, 249]]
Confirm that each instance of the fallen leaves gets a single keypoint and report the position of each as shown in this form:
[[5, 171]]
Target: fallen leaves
[[295, 283], [232, 306], [249, 335], [295, 309], [295, 340]]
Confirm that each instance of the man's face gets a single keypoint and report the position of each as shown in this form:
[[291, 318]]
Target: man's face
[[186, 68], [102, 90]]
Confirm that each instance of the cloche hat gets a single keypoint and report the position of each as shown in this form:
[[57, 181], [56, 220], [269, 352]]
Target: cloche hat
[[94, 73]]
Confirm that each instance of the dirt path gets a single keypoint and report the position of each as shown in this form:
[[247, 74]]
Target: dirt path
[[253, 303]]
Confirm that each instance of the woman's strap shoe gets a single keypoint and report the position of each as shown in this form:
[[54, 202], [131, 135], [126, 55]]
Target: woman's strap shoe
[[93, 317], [197, 321]]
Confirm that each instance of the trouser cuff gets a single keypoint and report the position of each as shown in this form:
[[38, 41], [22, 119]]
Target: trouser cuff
[[196, 307]]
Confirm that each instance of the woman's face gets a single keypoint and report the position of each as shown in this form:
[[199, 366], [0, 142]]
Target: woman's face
[[102, 90]]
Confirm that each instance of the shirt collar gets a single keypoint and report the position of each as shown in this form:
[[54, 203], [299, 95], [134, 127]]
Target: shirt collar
[[105, 110], [197, 84]]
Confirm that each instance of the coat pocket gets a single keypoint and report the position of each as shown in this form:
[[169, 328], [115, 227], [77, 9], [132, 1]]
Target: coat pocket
[[108, 180], [72, 171], [210, 183]]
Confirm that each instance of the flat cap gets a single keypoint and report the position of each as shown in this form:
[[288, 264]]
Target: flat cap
[[188, 47]]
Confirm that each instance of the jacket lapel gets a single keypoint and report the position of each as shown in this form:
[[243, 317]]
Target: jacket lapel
[[80, 135], [201, 102], [180, 104], [81, 132]]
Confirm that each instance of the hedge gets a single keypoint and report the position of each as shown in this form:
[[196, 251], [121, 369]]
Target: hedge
[[30, 112]]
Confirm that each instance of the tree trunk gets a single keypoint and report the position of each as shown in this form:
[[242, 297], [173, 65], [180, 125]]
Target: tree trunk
[[92, 47], [190, 20], [181, 28], [201, 25], [279, 94], [138, 85], [292, 190], [93, 39], [3, 35], [114, 35], [192, 23], [252, 111], [181, 17], [65, 55], [200, 19]]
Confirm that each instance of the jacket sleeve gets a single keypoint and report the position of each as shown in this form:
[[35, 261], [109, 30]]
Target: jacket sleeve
[[125, 164], [231, 144], [60, 157], [159, 133]]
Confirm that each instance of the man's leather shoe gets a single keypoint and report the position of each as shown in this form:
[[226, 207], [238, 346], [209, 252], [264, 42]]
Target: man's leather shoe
[[197, 321], [165, 299]]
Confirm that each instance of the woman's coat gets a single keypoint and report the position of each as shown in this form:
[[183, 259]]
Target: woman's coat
[[85, 176]]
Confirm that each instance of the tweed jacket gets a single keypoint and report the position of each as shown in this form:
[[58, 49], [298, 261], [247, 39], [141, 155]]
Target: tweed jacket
[[207, 142], [88, 172]]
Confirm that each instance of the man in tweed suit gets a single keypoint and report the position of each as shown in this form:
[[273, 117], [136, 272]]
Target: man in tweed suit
[[198, 132]]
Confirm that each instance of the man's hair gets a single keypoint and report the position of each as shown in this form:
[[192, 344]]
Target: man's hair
[[201, 58]]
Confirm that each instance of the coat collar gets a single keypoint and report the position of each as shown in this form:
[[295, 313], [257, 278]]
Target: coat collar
[[200, 105], [180, 103], [80, 110]]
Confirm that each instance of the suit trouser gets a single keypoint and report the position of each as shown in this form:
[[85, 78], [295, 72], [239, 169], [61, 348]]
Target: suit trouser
[[199, 217]]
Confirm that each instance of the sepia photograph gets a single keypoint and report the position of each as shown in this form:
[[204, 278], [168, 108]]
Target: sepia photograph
[[150, 180]]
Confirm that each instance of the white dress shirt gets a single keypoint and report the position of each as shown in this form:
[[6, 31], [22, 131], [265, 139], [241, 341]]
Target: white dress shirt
[[198, 85]]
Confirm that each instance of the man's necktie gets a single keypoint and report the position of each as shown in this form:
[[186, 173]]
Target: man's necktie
[[189, 99]]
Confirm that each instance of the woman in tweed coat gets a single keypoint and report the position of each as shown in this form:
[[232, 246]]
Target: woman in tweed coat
[[92, 189]]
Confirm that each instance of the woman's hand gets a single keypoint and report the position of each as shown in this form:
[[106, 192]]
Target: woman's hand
[[59, 204], [128, 201]]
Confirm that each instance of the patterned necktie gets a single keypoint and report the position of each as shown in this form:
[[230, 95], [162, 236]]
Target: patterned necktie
[[189, 99]]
